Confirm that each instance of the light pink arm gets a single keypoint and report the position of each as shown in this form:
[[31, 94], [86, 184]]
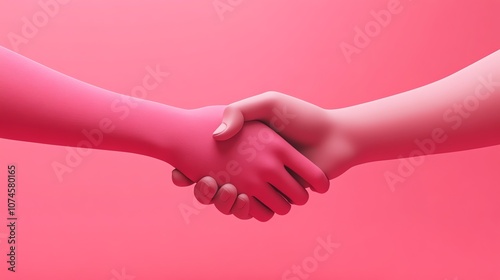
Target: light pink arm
[[459, 112], [38, 104]]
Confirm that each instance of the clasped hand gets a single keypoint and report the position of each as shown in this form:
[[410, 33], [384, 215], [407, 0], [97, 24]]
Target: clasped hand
[[271, 172], [262, 165]]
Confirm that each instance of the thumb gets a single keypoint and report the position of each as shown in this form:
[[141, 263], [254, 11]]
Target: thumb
[[256, 107], [232, 122]]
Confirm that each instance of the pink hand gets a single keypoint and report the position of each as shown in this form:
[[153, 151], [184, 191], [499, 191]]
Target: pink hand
[[256, 160], [309, 128]]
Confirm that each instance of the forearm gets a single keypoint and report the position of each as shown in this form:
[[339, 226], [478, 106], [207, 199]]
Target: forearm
[[38, 104], [459, 112]]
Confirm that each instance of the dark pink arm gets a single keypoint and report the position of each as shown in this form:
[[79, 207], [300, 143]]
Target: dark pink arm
[[38, 104]]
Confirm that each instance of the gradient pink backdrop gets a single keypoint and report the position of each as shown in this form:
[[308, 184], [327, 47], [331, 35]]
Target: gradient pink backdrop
[[117, 216]]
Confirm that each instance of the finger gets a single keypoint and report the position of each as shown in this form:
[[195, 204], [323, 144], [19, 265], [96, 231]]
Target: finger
[[259, 211], [241, 208], [232, 122], [298, 179], [205, 190], [306, 169], [272, 198], [291, 189], [225, 198], [257, 107], [179, 179]]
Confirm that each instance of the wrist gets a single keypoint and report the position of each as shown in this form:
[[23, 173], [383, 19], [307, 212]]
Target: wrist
[[369, 135], [345, 148], [185, 132], [152, 129]]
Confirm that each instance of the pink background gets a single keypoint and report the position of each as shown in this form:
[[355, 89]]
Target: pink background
[[117, 216]]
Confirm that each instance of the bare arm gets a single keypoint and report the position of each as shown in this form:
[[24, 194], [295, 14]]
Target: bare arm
[[459, 112], [38, 104]]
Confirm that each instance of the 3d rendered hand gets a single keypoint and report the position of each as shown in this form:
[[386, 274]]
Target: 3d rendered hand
[[458, 112], [307, 127], [257, 160], [38, 104]]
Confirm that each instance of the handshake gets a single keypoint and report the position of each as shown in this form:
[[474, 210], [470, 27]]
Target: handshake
[[276, 146], [273, 148], [259, 155]]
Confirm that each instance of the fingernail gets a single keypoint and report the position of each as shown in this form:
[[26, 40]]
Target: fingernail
[[207, 190], [222, 127], [241, 205], [224, 195]]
